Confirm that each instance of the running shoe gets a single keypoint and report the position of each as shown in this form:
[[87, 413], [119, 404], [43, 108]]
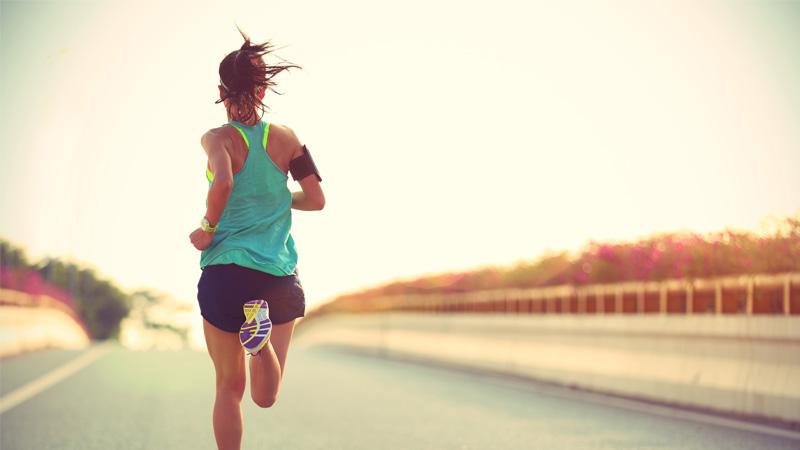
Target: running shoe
[[256, 329]]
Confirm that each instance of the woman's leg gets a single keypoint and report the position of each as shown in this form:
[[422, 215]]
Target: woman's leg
[[228, 356], [266, 368]]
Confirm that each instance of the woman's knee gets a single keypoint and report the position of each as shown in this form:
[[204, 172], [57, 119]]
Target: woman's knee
[[232, 385], [264, 401]]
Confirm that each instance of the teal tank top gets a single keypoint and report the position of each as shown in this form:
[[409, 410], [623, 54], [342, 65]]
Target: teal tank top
[[254, 230]]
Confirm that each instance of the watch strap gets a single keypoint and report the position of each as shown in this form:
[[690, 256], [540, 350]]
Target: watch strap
[[205, 225]]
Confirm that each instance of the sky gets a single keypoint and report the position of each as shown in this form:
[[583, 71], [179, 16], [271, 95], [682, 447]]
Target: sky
[[449, 134]]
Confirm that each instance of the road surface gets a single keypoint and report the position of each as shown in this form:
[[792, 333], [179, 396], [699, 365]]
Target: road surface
[[331, 399]]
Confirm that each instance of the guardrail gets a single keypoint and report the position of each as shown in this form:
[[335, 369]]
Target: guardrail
[[739, 364], [749, 294], [727, 344], [54, 324], [11, 297]]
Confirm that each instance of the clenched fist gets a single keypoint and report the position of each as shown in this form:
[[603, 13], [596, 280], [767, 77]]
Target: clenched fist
[[201, 239]]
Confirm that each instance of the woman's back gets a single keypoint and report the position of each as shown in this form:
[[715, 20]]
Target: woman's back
[[282, 145], [254, 230]]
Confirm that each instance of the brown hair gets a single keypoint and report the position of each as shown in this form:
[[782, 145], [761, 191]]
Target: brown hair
[[241, 78]]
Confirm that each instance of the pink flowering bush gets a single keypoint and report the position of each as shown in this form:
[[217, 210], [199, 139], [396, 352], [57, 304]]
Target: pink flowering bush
[[664, 256]]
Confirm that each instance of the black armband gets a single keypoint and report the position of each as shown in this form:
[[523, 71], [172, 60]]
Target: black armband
[[303, 166]]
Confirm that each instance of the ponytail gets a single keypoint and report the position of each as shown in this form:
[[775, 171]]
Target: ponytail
[[242, 78]]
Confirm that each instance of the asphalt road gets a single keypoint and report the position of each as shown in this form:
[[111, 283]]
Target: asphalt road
[[331, 399]]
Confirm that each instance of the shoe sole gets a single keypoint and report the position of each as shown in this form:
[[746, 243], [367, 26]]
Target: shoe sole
[[257, 328]]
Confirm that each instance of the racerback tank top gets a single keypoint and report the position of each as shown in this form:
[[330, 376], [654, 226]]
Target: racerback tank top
[[254, 230]]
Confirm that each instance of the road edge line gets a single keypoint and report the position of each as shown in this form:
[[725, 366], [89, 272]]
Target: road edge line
[[24, 393]]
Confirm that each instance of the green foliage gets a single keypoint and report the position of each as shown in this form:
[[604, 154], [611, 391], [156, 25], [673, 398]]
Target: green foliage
[[11, 256], [99, 303]]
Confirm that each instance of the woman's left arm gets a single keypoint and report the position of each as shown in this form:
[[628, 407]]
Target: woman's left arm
[[215, 144]]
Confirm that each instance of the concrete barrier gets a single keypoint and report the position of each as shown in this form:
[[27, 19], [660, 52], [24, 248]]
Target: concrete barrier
[[747, 365], [24, 329]]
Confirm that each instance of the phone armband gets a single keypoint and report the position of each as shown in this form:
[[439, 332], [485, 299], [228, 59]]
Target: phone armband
[[303, 166]]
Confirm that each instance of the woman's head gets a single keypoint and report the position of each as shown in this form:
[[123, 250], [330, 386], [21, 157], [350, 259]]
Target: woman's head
[[245, 77]]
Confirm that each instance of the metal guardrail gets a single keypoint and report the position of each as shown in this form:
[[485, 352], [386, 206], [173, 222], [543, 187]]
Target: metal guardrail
[[749, 294]]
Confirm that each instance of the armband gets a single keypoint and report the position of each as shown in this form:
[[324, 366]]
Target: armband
[[303, 166]]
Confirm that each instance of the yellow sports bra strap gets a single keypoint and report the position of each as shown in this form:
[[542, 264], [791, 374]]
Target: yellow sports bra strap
[[246, 142], [210, 175], [266, 133]]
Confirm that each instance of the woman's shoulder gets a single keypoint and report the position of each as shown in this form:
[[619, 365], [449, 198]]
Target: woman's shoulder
[[283, 137], [282, 131], [217, 133]]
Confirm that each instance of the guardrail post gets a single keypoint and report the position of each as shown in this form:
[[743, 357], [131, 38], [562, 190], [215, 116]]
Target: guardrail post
[[618, 307], [718, 297], [786, 292], [749, 305], [662, 299], [640, 299], [689, 298], [571, 293], [600, 301], [581, 302]]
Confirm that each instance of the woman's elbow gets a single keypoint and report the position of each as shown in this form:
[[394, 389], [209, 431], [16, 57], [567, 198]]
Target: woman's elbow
[[315, 200], [319, 203], [223, 185]]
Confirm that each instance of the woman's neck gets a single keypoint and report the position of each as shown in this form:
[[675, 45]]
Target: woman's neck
[[253, 118]]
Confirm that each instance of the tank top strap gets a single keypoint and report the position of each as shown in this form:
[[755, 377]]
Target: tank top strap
[[252, 134]]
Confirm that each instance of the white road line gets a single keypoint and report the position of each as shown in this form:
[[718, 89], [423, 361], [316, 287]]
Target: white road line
[[38, 385]]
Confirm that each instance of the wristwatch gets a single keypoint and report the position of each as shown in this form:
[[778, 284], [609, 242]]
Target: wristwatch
[[206, 226]]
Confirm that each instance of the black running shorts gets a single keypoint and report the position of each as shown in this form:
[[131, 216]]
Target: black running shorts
[[224, 288]]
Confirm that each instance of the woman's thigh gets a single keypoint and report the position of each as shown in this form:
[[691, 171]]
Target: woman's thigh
[[228, 356], [281, 337]]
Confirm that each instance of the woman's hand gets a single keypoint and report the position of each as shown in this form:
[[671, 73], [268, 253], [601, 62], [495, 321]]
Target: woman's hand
[[201, 239]]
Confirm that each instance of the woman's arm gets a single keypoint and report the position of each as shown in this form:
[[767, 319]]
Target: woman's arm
[[311, 198], [215, 144]]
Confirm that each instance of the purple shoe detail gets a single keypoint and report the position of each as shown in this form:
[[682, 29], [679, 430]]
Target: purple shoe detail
[[257, 328]]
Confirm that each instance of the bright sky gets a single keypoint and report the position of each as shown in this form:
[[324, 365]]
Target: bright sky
[[449, 134]]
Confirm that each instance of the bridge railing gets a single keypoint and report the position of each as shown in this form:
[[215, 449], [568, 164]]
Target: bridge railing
[[54, 324], [11, 297], [776, 294]]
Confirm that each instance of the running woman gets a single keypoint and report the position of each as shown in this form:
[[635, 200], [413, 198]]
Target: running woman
[[249, 292]]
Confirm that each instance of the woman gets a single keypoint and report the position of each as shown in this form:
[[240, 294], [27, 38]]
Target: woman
[[249, 293]]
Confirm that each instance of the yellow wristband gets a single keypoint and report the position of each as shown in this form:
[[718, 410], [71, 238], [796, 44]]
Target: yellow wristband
[[206, 226]]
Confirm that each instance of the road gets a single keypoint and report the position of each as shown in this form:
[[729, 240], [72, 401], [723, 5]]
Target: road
[[331, 399]]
